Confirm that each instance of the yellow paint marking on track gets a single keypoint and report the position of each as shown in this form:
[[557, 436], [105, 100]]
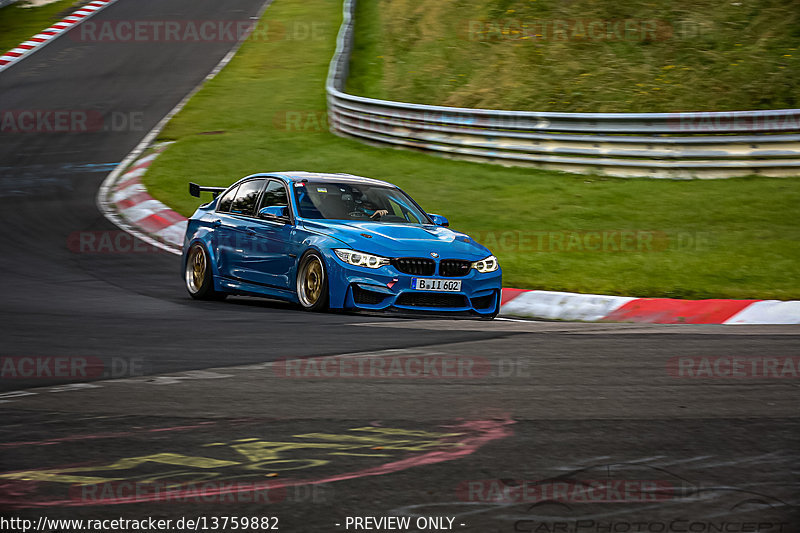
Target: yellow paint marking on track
[[65, 475], [271, 451], [256, 455]]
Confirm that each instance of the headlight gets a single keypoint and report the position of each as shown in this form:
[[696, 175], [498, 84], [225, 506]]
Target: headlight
[[361, 259], [488, 264]]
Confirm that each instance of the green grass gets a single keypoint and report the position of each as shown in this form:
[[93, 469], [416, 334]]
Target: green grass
[[236, 125], [18, 24], [549, 55]]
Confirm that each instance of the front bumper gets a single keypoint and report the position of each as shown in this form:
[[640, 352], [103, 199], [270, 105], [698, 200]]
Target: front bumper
[[388, 289]]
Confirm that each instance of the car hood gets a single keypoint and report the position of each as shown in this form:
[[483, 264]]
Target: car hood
[[398, 240]]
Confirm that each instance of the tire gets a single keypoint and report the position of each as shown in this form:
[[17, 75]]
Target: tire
[[491, 316], [312, 282], [198, 276]]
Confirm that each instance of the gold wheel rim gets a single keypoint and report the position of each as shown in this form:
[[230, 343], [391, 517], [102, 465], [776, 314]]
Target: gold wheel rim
[[311, 282], [196, 270]]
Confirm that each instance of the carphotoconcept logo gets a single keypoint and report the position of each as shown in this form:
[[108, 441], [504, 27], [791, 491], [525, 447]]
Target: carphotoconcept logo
[[676, 525]]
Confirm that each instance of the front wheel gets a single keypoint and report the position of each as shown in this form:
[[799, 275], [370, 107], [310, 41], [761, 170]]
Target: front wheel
[[491, 316], [312, 282], [198, 276]]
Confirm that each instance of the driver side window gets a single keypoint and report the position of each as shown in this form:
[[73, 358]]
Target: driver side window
[[246, 196], [275, 194], [226, 201]]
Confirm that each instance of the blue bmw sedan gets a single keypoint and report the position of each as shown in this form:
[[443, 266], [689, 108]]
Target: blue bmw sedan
[[335, 241]]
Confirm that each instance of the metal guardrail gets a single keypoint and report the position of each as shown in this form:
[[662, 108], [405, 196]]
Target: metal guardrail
[[659, 145]]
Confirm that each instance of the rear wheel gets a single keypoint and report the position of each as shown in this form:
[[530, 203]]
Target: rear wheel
[[312, 282], [198, 276]]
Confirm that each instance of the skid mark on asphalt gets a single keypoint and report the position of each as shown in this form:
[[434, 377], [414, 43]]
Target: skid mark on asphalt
[[536, 505], [215, 469]]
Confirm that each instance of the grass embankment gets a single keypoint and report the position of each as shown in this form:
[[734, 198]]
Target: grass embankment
[[264, 112], [18, 24], [582, 55]]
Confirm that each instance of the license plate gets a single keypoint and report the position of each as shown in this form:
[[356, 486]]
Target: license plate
[[444, 285]]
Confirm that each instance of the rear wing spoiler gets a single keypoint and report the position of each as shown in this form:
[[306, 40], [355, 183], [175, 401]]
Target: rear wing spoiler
[[195, 190]]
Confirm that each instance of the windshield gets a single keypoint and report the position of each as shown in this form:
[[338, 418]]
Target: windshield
[[356, 201]]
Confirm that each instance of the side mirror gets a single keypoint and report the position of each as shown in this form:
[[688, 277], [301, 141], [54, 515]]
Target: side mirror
[[439, 220], [275, 213]]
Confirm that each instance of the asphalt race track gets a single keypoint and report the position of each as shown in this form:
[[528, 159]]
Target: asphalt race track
[[208, 397]]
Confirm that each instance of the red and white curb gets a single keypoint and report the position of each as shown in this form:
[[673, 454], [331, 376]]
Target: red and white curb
[[143, 215], [45, 36], [560, 305], [597, 308], [137, 208]]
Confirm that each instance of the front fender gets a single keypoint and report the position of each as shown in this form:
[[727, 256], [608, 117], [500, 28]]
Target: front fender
[[196, 232], [324, 245]]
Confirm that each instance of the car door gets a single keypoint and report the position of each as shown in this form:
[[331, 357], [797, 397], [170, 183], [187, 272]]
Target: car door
[[235, 237], [275, 251]]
